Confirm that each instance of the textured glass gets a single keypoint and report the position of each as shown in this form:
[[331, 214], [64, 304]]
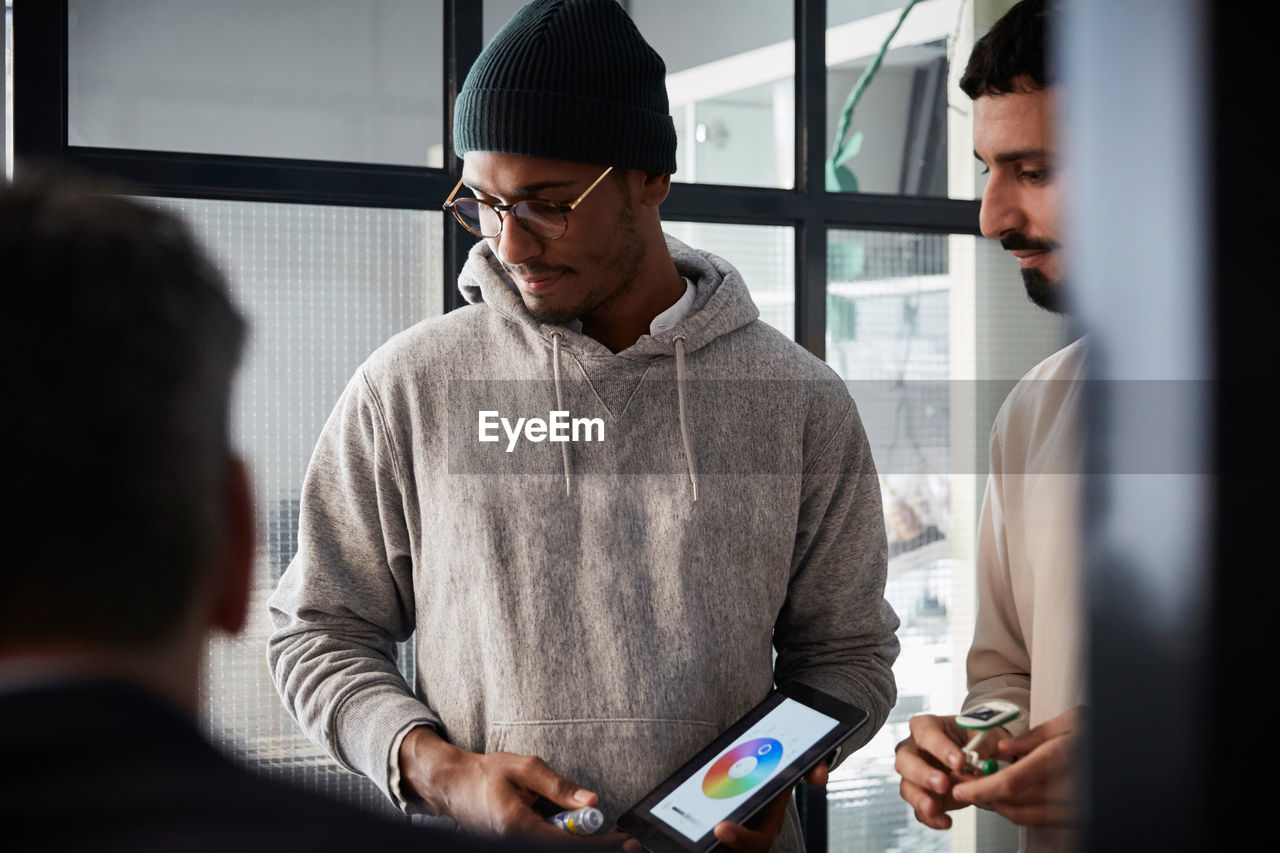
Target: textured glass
[[322, 288], [309, 79], [912, 321], [897, 126], [764, 254]]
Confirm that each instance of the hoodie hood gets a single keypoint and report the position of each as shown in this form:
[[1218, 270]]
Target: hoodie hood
[[723, 303]]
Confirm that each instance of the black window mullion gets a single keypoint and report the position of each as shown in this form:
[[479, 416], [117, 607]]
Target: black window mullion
[[463, 34], [265, 179], [811, 141], [39, 82], [811, 265], [771, 206]]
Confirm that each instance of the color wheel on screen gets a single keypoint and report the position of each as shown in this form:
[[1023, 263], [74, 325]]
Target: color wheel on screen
[[742, 768]]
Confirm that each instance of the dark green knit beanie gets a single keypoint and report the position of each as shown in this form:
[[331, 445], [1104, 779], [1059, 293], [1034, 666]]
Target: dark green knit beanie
[[570, 80]]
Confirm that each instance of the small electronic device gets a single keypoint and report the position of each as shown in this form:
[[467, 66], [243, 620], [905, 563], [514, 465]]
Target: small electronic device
[[981, 719], [746, 767]]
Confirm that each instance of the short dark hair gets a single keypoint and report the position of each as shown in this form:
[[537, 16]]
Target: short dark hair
[[119, 355], [1011, 56]]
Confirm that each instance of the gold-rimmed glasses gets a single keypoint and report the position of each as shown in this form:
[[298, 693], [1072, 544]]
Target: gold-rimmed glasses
[[543, 219]]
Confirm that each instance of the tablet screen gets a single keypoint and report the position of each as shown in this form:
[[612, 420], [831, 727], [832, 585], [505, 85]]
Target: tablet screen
[[712, 792]]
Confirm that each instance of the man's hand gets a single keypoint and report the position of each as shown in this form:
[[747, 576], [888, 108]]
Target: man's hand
[[930, 763], [487, 793], [767, 823], [1039, 789]]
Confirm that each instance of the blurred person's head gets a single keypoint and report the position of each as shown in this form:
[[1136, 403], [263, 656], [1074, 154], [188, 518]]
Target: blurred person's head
[[1015, 139], [130, 529], [567, 89], [904, 522]]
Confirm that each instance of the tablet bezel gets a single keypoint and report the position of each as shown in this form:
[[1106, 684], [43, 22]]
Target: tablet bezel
[[639, 821]]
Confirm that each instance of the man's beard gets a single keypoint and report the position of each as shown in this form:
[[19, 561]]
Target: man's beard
[[1044, 291], [1041, 290], [622, 267]]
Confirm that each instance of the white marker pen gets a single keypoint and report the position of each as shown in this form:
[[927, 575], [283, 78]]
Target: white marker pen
[[584, 821]]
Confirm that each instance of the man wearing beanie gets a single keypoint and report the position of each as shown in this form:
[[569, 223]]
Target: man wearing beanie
[[586, 614]]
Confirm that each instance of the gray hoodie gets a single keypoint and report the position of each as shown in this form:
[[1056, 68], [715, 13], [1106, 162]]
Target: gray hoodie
[[608, 606]]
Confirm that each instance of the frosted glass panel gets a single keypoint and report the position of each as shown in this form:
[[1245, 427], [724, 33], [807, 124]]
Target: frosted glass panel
[[888, 306], [322, 287], [310, 79], [764, 254]]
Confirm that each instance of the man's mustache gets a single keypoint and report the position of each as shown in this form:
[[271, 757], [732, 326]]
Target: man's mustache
[[1022, 243], [533, 269]]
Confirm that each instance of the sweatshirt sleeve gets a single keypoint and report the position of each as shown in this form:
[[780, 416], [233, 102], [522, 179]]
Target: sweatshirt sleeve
[[835, 631], [347, 597], [999, 665]]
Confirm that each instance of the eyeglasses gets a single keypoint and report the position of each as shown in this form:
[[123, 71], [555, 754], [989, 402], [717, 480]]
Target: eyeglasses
[[540, 218]]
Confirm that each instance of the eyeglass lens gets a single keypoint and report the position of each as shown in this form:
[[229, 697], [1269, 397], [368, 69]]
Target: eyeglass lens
[[539, 218]]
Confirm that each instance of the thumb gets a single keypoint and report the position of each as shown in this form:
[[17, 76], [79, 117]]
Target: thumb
[[541, 779], [1017, 747], [1065, 723]]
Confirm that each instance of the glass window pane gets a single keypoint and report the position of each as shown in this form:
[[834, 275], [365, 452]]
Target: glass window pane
[[888, 329], [896, 121], [930, 330], [730, 81], [359, 82], [764, 254], [322, 288]]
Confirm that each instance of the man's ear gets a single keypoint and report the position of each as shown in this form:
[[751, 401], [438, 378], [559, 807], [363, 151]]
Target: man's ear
[[654, 188], [235, 574]]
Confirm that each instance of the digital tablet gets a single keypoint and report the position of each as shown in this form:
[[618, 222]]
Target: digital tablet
[[746, 767]]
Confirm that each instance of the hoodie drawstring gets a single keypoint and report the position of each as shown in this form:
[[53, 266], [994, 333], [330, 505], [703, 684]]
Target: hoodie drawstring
[[684, 429], [555, 370]]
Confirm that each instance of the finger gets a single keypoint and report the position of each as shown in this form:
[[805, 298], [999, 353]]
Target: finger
[[1027, 746], [818, 776], [632, 846], [1000, 786], [534, 774], [1054, 730], [921, 773], [742, 839], [526, 823], [930, 809], [1052, 760], [1016, 747], [537, 829], [613, 836], [607, 840], [769, 819], [765, 827], [931, 737], [1021, 783], [938, 821], [1066, 723]]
